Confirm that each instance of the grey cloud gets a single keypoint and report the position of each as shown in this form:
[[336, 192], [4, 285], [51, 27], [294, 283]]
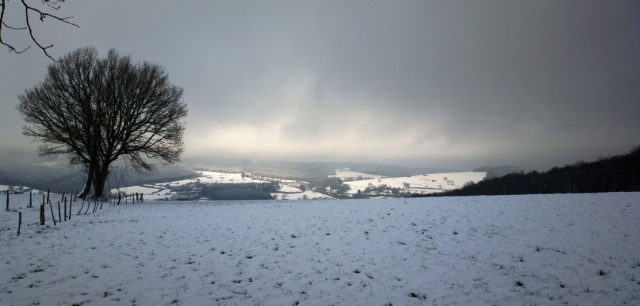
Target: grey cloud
[[442, 83]]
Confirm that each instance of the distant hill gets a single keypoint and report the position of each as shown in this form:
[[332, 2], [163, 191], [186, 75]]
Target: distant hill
[[305, 170], [620, 173], [498, 171], [24, 168]]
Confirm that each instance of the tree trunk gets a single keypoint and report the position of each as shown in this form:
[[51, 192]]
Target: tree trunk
[[87, 185], [100, 179]]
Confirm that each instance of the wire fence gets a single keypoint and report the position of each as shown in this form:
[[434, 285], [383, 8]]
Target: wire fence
[[39, 212]]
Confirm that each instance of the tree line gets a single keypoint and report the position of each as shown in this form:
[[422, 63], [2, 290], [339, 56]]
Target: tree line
[[620, 173], [250, 191]]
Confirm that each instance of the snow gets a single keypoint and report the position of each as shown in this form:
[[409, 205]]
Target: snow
[[137, 189], [563, 249], [428, 183], [211, 177], [160, 191], [287, 188], [348, 173], [4, 188], [311, 195]]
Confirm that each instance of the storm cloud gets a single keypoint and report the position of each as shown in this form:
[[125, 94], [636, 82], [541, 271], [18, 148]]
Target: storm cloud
[[456, 84]]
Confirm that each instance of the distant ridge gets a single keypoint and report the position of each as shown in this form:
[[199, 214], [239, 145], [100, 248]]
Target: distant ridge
[[499, 171], [619, 173]]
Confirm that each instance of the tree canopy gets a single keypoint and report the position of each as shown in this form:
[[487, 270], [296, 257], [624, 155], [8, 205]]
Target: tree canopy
[[96, 110]]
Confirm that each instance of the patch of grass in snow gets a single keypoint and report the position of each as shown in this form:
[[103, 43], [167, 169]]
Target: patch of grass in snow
[[36, 270], [418, 295], [81, 302]]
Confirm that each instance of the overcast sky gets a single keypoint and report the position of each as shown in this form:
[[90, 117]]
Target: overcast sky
[[457, 84]]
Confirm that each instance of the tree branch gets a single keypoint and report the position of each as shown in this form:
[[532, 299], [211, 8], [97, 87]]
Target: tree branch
[[42, 16]]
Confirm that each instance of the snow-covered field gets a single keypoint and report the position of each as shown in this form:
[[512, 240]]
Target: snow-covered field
[[341, 173], [311, 195], [162, 191], [4, 188], [580, 249], [210, 177], [428, 183]]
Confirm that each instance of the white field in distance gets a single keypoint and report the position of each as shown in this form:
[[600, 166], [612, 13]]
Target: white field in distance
[[343, 173], [20, 189], [162, 191], [422, 184]]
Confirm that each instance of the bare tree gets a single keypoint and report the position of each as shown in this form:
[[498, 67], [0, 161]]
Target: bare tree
[[28, 25], [95, 111]]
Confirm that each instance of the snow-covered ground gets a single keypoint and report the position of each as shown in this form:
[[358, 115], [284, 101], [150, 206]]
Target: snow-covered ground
[[348, 173], [162, 191], [311, 195], [4, 188], [579, 249], [290, 189], [210, 177], [428, 183]]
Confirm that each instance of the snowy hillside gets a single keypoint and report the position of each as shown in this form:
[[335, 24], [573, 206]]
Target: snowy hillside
[[509, 250], [427, 183], [163, 191]]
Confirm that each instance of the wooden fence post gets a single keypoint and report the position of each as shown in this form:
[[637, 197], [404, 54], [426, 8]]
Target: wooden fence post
[[59, 213], [30, 199], [65, 209], [70, 202], [53, 216], [7, 200], [19, 222], [47, 195], [42, 214]]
